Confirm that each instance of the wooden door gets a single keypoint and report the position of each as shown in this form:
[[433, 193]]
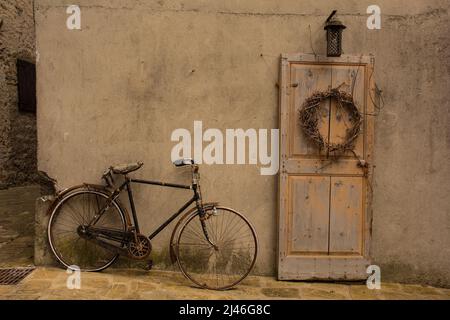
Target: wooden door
[[324, 206]]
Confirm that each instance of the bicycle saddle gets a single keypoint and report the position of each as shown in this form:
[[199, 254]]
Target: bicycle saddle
[[183, 162], [126, 168]]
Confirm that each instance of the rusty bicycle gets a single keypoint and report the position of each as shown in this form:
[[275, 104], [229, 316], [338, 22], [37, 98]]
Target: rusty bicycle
[[215, 247]]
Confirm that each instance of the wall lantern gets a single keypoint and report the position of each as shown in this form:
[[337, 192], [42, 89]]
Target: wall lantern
[[334, 29]]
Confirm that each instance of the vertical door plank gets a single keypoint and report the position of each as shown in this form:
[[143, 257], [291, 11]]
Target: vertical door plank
[[305, 80], [369, 148], [346, 215], [284, 149], [309, 214], [351, 79]]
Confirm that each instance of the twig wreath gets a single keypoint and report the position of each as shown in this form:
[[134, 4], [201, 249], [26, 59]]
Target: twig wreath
[[310, 114]]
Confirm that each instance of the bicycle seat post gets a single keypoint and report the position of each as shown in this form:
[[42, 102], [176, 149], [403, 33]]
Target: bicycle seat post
[[195, 174]]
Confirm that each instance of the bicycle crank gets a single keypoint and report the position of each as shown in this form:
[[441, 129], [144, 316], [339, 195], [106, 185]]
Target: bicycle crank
[[139, 248]]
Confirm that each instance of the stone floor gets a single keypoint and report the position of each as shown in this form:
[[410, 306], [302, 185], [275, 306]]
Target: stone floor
[[16, 249], [50, 283]]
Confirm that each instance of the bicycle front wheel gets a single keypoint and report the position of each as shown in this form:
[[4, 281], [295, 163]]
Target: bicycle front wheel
[[218, 253]]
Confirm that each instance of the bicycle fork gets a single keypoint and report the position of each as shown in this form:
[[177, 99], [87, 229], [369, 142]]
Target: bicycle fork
[[205, 231]]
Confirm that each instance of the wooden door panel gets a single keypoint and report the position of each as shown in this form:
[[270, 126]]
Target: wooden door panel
[[322, 267], [324, 206], [309, 214], [305, 80], [346, 215], [322, 166]]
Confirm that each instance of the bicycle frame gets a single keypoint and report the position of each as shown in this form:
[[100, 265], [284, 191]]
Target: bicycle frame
[[127, 185], [195, 198]]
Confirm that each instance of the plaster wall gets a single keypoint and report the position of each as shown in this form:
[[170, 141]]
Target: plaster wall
[[115, 90]]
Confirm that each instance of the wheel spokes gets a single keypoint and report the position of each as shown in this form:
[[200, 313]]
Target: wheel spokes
[[228, 263], [68, 245]]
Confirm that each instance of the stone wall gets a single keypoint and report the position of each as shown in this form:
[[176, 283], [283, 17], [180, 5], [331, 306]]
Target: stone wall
[[115, 90], [18, 142], [17, 221]]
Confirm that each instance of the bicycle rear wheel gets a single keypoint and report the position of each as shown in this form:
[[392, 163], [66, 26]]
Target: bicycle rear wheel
[[227, 258], [74, 211]]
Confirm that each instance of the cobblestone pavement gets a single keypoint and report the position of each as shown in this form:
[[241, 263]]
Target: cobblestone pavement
[[17, 207], [50, 283]]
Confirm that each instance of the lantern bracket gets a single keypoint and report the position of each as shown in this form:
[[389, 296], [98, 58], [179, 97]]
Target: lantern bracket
[[331, 16]]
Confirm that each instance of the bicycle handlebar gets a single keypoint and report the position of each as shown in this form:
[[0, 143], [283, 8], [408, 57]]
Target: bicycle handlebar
[[108, 174]]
